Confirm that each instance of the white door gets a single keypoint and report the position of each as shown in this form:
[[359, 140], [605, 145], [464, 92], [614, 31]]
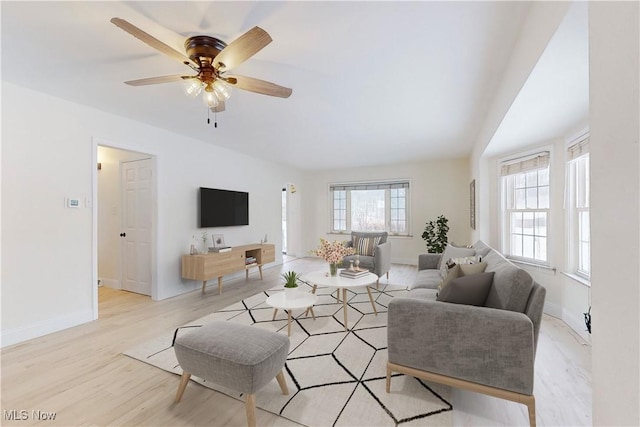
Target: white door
[[136, 230]]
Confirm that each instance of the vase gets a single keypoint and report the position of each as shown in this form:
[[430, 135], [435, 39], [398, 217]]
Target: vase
[[333, 269]]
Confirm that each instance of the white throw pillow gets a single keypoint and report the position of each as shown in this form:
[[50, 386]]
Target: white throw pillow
[[453, 252]]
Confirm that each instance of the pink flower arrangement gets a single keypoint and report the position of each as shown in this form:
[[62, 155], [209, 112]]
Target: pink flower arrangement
[[333, 252]]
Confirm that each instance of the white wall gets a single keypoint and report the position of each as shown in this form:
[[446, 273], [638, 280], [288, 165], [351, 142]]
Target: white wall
[[615, 213], [49, 156], [541, 23], [437, 187]]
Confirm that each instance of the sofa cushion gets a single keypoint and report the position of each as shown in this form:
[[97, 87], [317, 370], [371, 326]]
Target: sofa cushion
[[422, 293], [470, 290], [427, 279], [453, 252], [511, 285], [468, 269], [481, 248], [452, 273], [366, 245]]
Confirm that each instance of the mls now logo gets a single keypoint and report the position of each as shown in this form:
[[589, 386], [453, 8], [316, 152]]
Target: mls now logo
[[23, 415]]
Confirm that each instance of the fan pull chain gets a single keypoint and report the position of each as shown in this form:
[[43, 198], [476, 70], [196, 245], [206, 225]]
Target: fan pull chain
[[215, 118]]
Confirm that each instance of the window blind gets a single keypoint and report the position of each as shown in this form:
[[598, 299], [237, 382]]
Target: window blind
[[525, 164], [382, 185], [578, 149]]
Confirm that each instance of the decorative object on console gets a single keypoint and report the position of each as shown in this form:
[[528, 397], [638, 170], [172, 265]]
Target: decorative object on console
[[194, 249], [205, 242], [218, 241], [333, 253], [435, 234]]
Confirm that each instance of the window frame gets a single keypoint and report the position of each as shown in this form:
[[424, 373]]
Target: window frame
[[575, 209], [509, 169], [388, 186]]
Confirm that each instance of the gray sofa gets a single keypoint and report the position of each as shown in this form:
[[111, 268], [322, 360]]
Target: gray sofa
[[488, 349], [380, 262]]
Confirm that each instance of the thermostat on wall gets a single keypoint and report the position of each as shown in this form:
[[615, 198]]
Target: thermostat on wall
[[72, 202]]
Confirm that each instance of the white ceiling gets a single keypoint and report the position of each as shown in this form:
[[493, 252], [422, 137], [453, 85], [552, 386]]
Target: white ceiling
[[373, 82]]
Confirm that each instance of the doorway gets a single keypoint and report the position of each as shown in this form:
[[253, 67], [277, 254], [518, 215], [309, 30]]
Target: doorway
[[284, 221], [126, 203]]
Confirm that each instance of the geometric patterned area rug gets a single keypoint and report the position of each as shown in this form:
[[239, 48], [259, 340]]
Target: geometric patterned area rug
[[335, 377]]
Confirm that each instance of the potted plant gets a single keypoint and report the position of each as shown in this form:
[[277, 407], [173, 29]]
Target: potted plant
[[290, 281], [333, 253], [435, 234]]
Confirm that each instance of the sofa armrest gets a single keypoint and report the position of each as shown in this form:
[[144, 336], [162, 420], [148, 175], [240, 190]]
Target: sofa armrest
[[428, 261], [478, 344], [382, 259]]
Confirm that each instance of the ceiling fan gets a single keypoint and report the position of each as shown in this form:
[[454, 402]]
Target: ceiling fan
[[210, 58]]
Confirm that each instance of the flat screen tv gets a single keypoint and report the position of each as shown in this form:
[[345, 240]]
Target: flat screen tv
[[222, 208]]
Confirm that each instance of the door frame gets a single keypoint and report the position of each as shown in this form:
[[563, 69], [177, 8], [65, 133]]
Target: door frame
[[128, 146]]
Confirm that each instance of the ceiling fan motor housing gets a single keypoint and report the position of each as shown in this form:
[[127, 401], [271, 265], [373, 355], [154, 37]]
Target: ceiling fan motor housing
[[198, 47]]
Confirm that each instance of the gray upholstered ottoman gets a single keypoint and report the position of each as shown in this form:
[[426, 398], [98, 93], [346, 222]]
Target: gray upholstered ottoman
[[242, 358]]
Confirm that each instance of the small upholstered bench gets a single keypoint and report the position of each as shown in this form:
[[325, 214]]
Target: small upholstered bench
[[240, 357]]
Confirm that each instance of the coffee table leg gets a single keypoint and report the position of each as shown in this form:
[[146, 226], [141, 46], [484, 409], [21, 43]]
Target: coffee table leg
[[344, 306], [289, 323], [371, 299], [312, 313], [275, 311], [313, 291]]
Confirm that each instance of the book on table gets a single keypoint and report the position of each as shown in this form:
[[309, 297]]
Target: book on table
[[355, 273]]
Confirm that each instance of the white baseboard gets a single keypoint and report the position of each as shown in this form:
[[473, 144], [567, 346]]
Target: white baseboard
[[575, 323], [35, 330], [111, 283], [406, 261], [552, 310]]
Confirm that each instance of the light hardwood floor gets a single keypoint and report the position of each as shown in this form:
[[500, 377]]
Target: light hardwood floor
[[81, 375]]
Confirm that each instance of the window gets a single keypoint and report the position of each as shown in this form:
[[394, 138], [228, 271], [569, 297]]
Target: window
[[525, 195], [578, 209], [370, 206]]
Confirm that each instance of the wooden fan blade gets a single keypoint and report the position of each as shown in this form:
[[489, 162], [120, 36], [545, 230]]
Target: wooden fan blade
[[151, 41], [157, 80], [259, 86], [219, 108], [242, 48]]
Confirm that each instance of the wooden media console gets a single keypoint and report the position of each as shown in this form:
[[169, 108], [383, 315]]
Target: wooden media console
[[205, 267]]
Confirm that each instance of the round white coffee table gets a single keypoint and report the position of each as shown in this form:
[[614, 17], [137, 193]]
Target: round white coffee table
[[291, 301], [322, 278]]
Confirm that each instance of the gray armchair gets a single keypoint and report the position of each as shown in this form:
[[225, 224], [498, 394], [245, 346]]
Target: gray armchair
[[380, 262], [487, 349]]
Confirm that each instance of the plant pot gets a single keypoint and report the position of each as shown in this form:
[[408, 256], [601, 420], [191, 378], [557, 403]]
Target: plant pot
[[289, 293]]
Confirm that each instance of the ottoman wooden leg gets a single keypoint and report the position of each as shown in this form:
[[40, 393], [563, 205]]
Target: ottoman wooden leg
[[282, 382], [250, 404], [183, 384]]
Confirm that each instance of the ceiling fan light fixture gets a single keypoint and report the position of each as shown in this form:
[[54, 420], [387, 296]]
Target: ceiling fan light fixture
[[222, 90], [210, 99], [192, 87]]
